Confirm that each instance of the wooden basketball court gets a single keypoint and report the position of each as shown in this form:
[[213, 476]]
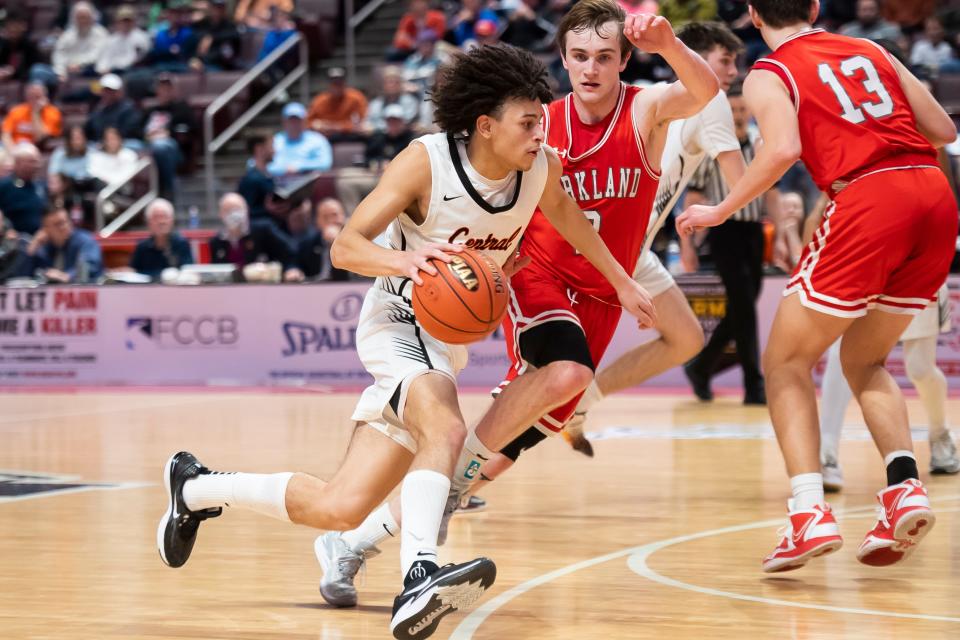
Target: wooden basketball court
[[659, 536]]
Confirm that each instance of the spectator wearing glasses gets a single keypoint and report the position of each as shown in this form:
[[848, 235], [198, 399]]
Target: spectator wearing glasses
[[165, 248]]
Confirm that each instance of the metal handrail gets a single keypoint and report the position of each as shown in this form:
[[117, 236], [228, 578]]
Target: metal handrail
[[354, 21], [107, 192], [211, 144]]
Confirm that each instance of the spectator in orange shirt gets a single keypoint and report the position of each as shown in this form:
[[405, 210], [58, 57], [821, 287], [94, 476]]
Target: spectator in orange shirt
[[419, 16], [34, 121], [339, 112]]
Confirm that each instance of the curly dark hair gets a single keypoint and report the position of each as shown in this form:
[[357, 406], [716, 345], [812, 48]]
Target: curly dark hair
[[481, 81]]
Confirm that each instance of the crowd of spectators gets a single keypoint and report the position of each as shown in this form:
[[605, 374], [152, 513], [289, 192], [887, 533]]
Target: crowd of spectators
[[133, 61]]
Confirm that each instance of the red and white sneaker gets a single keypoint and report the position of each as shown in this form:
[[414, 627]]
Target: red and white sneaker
[[808, 534], [904, 518]]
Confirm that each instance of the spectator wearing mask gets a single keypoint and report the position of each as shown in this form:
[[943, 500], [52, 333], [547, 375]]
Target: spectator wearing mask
[[420, 68], [61, 254], [296, 149], [20, 59], [78, 48], [22, 197], [257, 185], [175, 47], [338, 112], [869, 24], [219, 47], [314, 250], [165, 248], [932, 51], [126, 45], [384, 146], [242, 241], [113, 110], [34, 121], [419, 16], [391, 94], [168, 115], [112, 162]]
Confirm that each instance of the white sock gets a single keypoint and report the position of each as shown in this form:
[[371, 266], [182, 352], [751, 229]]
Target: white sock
[[263, 493], [807, 491], [422, 498], [920, 357], [893, 455], [472, 458], [378, 526], [590, 397], [834, 398]]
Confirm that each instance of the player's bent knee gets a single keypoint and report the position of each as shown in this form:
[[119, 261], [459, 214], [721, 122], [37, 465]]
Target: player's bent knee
[[689, 343], [566, 379]]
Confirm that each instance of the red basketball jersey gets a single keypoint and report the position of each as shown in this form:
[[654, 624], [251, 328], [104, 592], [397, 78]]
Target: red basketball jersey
[[852, 109], [605, 170]]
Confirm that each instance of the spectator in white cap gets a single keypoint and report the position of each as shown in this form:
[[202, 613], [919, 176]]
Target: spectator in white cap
[[296, 149], [391, 93], [384, 146], [113, 110]]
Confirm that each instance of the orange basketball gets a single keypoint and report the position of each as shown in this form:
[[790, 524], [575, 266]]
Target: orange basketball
[[465, 301]]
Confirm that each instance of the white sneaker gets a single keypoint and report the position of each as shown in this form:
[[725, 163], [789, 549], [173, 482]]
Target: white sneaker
[[832, 475], [340, 566], [943, 454]]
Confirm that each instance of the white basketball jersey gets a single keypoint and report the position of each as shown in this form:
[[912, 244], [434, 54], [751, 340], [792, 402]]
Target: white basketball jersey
[[467, 208], [689, 142]]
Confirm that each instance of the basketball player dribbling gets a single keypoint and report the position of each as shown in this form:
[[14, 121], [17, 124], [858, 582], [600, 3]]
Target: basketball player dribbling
[[563, 312], [409, 427], [866, 129]]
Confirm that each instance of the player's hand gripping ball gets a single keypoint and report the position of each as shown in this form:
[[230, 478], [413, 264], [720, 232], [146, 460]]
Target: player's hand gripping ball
[[465, 301]]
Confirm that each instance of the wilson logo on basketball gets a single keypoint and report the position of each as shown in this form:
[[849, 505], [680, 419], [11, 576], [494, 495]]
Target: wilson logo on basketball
[[490, 243], [464, 272]]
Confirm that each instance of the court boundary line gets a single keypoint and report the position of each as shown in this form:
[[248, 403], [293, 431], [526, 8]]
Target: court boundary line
[[471, 623]]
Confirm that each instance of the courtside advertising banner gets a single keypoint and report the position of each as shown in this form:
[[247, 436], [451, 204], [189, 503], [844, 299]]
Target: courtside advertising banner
[[285, 335]]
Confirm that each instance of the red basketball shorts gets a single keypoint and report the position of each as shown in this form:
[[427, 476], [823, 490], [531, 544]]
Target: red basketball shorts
[[538, 297], [885, 242]]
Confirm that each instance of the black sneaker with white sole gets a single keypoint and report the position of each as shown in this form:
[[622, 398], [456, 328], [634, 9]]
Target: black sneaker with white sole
[[423, 603], [178, 527]]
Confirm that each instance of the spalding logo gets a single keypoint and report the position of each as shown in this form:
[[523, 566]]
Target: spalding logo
[[464, 273]]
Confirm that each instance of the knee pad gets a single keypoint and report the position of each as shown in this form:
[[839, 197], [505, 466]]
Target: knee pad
[[555, 341], [526, 440]]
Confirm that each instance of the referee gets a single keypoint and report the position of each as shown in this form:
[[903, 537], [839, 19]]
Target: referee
[[736, 247]]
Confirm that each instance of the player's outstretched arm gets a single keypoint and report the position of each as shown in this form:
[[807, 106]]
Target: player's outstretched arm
[[696, 83], [400, 188], [779, 128], [932, 121], [567, 218]]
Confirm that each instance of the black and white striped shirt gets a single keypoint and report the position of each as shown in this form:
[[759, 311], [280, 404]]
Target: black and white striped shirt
[[708, 180]]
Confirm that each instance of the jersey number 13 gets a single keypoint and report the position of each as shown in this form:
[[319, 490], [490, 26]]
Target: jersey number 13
[[879, 108]]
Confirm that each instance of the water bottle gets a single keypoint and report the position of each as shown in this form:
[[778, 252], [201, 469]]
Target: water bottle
[[193, 221], [673, 258]]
